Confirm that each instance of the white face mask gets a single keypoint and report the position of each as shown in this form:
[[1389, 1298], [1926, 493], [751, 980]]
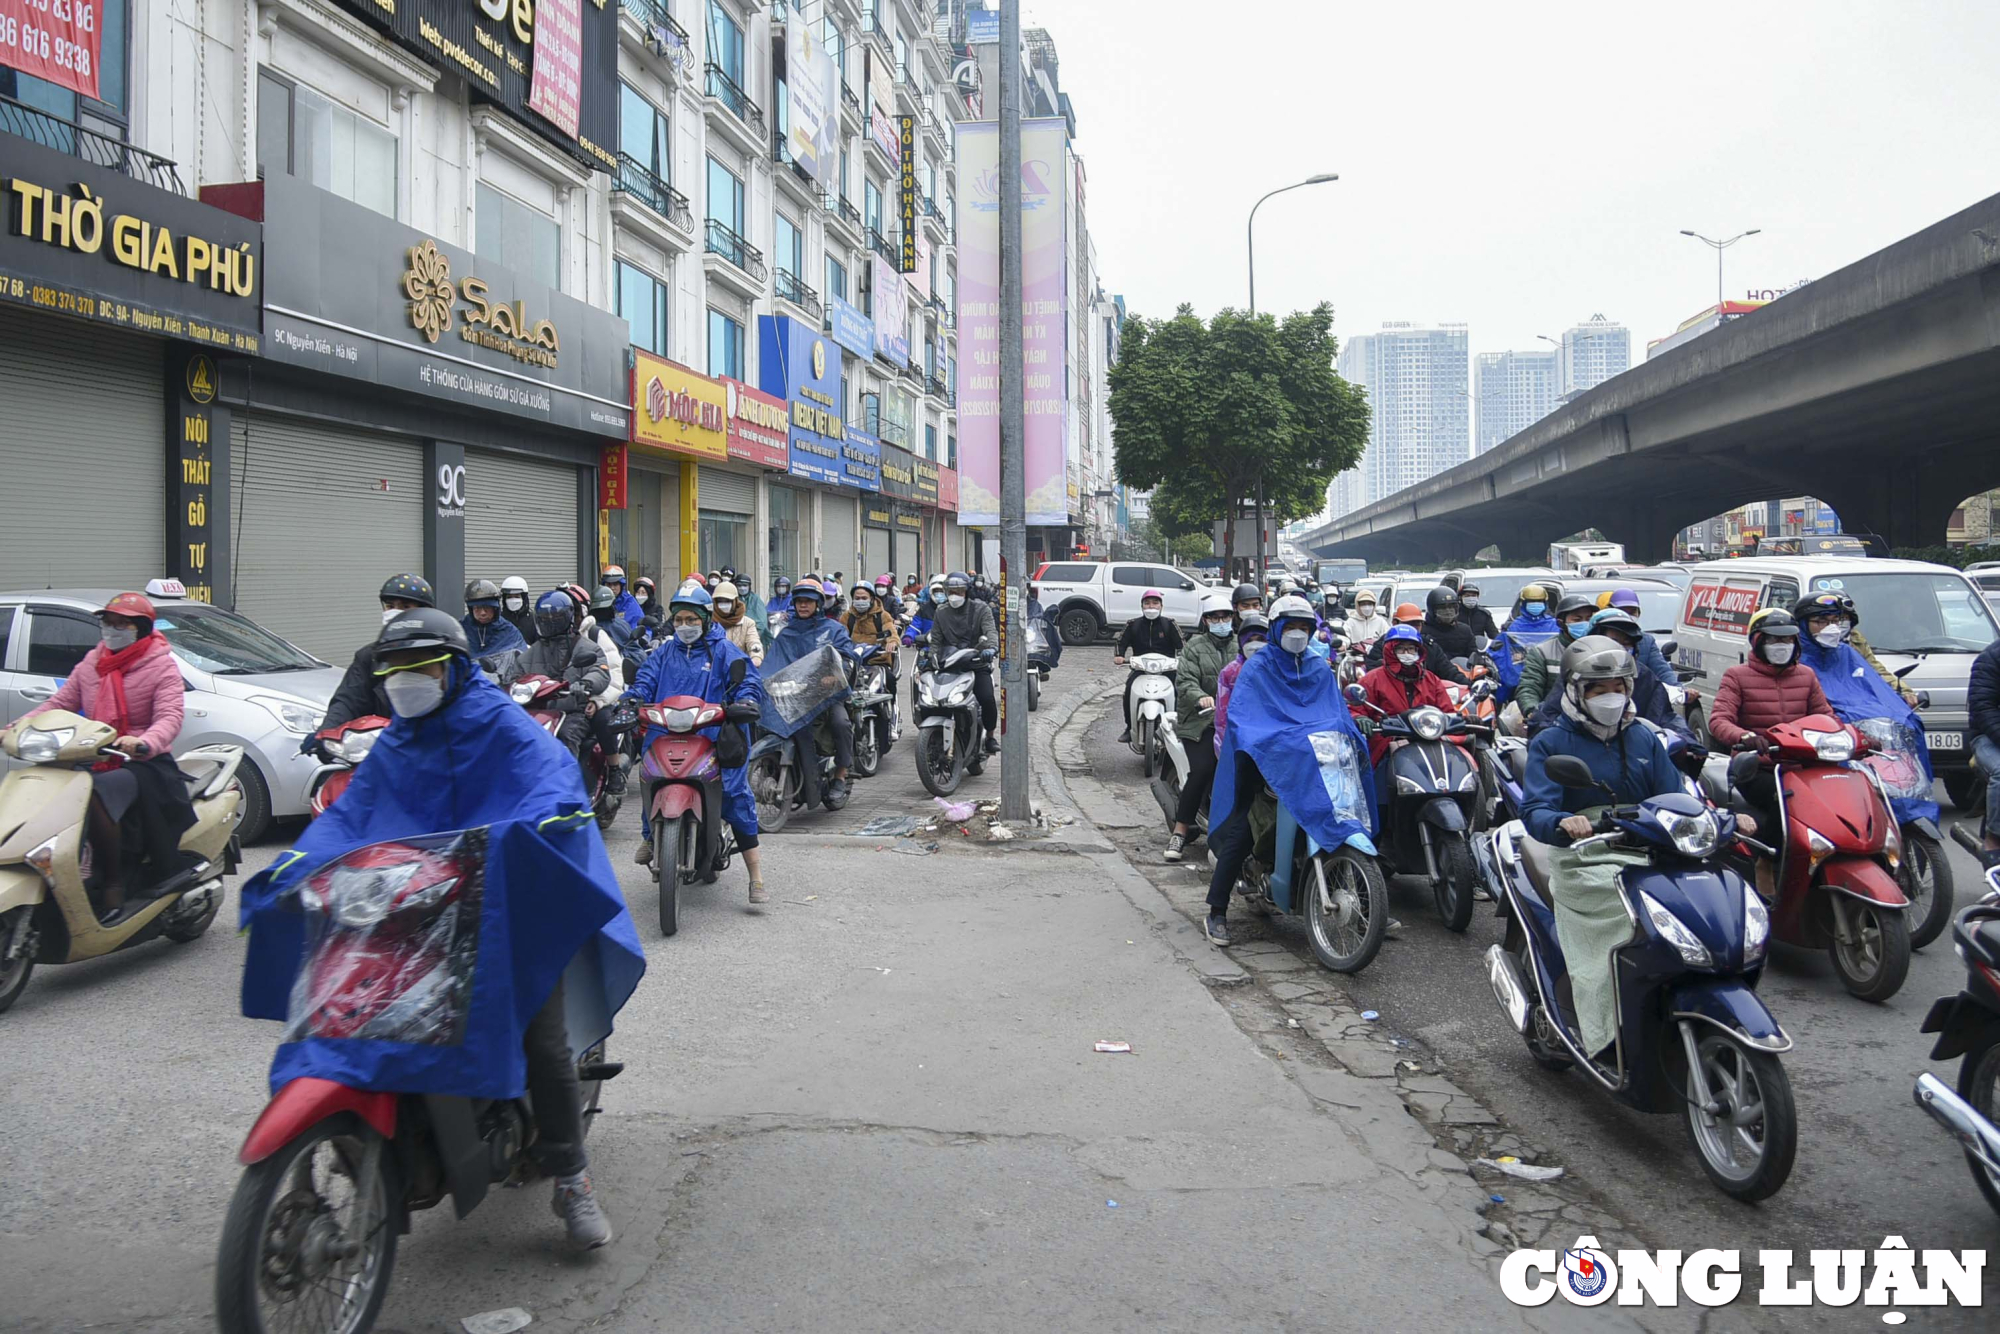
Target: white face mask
[[118, 637], [1365, 610], [1295, 640], [1407, 659], [1220, 629], [643, 596], [514, 602], [955, 599], [1470, 604], [1252, 647], [413, 694], [1605, 710], [1778, 654], [722, 608], [861, 603], [1831, 636], [687, 634], [389, 614], [1151, 613]]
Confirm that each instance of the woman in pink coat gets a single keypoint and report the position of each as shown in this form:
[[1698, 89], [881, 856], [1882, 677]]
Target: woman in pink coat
[[131, 681]]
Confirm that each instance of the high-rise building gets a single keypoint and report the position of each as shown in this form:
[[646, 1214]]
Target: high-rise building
[[1513, 391], [1415, 376], [1593, 352]]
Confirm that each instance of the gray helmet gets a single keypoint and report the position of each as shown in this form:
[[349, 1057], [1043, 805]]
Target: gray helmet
[[423, 627], [1575, 602], [482, 592], [602, 599], [1612, 618], [957, 583], [1596, 658], [1253, 623]]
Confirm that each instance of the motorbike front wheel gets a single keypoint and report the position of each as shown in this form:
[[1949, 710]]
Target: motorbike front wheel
[[772, 789], [868, 745], [939, 764], [1747, 1148], [1926, 878], [1979, 1084], [1034, 690], [309, 1244], [1870, 949], [1152, 751], [14, 976], [1347, 910], [1456, 878]]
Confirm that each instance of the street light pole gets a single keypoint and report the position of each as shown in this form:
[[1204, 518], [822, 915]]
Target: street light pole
[[1014, 804], [1250, 252], [1719, 247]]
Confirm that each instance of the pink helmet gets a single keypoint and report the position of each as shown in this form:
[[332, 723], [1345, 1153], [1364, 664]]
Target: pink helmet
[[884, 580], [1152, 593]]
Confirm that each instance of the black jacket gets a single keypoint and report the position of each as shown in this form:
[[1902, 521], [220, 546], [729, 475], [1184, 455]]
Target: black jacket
[[1479, 621], [1159, 635], [1436, 660], [522, 620], [1649, 698], [360, 691], [1982, 696], [1455, 639], [970, 626]]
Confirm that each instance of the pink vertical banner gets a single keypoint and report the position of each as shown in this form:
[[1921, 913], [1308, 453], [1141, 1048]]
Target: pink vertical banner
[[1044, 321], [555, 85]]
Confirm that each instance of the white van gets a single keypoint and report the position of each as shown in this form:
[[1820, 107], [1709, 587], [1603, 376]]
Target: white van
[[1911, 612]]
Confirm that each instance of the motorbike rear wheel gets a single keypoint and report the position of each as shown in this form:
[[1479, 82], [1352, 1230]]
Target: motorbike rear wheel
[[1875, 958], [1747, 1151], [1457, 876], [1034, 690], [1979, 1084], [868, 745], [773, 791], [939, 763], [1347, 910], [184, 930], [279, 1269], [14, 976], [1926, 879]]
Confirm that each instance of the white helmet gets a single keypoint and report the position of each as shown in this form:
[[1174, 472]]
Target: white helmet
[[513, 583], [1291, 607], [1216, 604]]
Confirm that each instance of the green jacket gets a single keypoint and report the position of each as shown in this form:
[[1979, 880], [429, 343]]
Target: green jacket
[[1540, 669], [1202, 659]]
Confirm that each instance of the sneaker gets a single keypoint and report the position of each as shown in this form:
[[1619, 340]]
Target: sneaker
[[992, 744], [1174, 846], [1125, 737], [643, 854], [1480, 893], [759, 894], [1217, 932], [577, 1206]]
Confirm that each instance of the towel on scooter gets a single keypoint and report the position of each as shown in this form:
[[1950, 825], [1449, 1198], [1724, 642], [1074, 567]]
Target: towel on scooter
[[1590, 923], [479, 783], [1859, 695], [1286, 713]]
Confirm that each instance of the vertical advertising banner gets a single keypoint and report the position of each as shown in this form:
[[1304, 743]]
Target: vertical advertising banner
[[906, 188], [810, 95], [892, 312], [192, 428], [613, 479], [555, 89], [58, 42], [1045, 349]]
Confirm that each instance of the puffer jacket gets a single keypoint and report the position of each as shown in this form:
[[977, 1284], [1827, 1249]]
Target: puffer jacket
[[1541, 667], [874, 626], [576, 659], [1754, 695], [969, 626], [1158, 635], [745, 636], [1199, 673], [1982, 697], [1392, 693], [155, 695]]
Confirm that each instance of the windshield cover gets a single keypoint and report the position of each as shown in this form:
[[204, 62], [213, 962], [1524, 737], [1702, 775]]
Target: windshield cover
[[213, 640], [1917, 612]]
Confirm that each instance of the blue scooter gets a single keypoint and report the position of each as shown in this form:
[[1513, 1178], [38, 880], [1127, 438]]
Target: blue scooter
[[1692, 1035]]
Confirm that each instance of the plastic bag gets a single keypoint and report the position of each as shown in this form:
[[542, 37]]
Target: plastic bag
[[1339, 761]]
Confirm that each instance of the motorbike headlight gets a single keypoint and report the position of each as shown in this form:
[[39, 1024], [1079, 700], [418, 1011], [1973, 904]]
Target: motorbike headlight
[[1692, 835], [354, 747], [39, 747], [1818, 846], [959, 693], [1675, 932], [926, 693], [1428, 724], [520, 692], [1756, 924], [1470, 781], [1407, 786], [359, 896], [1835, 746], [293, 716], [681, 720]]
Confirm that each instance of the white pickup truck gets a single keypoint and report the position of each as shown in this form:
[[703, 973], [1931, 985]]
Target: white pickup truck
[[1087, 598]]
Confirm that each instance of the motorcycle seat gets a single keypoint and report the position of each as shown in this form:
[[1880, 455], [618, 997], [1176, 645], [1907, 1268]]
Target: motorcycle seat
[[1535, 861], [1517, 763]]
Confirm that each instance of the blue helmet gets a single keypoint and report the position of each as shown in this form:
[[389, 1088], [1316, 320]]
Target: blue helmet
[[694, 597], [555, 614], [1403, 633]]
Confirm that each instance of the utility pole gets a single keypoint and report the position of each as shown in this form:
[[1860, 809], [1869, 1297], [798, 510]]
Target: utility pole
[[1014, 805]]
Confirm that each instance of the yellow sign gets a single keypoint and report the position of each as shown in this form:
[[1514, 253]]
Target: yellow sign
[[504, 327], [675, 409], [201, 379], [819, 359]]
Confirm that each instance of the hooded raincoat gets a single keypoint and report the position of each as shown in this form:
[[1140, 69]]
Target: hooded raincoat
[[1286, 713], [1858, 695], [712, 668]]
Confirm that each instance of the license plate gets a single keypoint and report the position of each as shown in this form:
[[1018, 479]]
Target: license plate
[[1945, 740]]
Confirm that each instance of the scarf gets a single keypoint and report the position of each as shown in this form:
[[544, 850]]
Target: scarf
[[729, 622], [112, 706]]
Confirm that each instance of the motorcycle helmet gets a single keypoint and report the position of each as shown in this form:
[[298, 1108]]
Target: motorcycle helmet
[[697, 599], [1815, 605], [482, 593], [1293, 608], [1255, 627], [1407, 613], [1595, 658], [1624, 599], [1215, 604], [1245, 593], [615, 574], [137, 606], [957, 583], [1572, 603], [425, 627], [601, 600], [885, 581], [1442, 605], [867, 590], [514, 583], [1774, 623], [806, 590], [724, 592], [409, 588], [1401, 634], [1467, 592], [644, 584], [781, 588], [555, 614], [1533, 593], [1618, 619]]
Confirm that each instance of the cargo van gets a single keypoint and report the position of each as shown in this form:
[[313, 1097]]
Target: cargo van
[[1910, 612]]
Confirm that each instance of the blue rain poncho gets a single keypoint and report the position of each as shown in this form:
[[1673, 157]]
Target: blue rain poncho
[[1286, 713], [1859, 695]]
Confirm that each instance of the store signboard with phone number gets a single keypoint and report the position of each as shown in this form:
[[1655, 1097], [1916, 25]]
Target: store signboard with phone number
[[56, 40]]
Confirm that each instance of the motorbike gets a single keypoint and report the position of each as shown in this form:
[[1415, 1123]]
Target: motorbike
[[1152, 700], [344, 745], [792, 763], [47, 858], [332, 1173], [871, 706], [680, 780], [1693, 1037], [1341, 892], [1895, 753], [1968, 1027], [949, 742], [1428, 789], [1041, 660], [1836, 854], [542, 697]]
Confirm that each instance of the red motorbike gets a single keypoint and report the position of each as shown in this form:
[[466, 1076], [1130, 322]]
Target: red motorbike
[[332, 1173], [681, 780], [345, 745], [541, 696], [1836, 866]]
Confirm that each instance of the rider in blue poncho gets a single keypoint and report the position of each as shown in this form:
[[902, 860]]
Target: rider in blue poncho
[[538, 952], [623, 604], [1859, 695], [699, 660], [1289, 729], [806, 631]]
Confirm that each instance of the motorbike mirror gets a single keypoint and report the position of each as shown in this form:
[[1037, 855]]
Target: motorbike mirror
[[1923, 699], [1743, 767], [1356, 692], [1668, 648], [1480, 642], [1570, 771]]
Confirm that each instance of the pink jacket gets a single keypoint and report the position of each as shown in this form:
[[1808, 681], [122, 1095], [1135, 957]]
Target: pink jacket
[[154, 692]]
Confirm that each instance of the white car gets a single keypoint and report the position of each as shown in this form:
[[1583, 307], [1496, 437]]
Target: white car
[[1087, 598]]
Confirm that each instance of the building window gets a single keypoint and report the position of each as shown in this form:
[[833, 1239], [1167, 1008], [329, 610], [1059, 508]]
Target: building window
[[642, 133], [517, 237], [300, 133], [725, 42], [871, 206], [725, 197], [642, 300], [836, 278], [725, 345], [788, 246], [930, 442], [844, 177]]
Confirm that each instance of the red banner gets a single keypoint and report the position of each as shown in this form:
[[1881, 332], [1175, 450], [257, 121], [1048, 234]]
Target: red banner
[[948, 490], [759, 426], [55, 40], [611, 479], [554, 88]]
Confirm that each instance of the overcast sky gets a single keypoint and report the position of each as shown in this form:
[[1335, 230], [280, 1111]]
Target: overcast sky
[[1518, 167]]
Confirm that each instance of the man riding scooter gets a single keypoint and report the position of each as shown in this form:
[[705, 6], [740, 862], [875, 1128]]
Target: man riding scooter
[[563, 653], [1153, 632], [807, 630], [1649, 698], [359, 694], [489, 633], [961, 621], [1770, 687]]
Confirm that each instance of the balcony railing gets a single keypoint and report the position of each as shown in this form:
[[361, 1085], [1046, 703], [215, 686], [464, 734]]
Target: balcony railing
[[849, 96], [935, 384], [727, 91], [66, 136], [791, 288], [873, 26], [639, 181], [939, 311], [663, 33], [880, 245], [722, 240], [850, 213]]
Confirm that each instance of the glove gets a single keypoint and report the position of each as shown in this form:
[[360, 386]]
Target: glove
[[310, 746], [747, 711]]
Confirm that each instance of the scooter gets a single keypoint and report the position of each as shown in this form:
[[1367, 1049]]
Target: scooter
[[1174, 772], [871, 708], [1836, 885], [1340, 892], [1968, 1026], [332, 1173], [1428, 789], [542, 697], [680, 779], [1894, 753], [948, 727], [1041, 660], [795, 772], [345, 745], [1692, 1037], [46, 858], [1152, 700]]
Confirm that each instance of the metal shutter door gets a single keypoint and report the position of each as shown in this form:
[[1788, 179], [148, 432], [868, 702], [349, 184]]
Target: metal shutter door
[[86, 436], [323, 515], [727, 492], [839, 543], [875, 542], [520, 518]]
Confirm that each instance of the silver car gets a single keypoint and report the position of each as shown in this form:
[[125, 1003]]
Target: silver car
[[246, 687]]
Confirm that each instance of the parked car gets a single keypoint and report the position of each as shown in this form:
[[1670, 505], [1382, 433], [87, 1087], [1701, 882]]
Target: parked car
[[1498, 585], [246, 687], [1087, 598]]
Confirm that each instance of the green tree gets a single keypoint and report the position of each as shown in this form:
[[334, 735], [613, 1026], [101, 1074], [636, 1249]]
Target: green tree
[[1207, 412]]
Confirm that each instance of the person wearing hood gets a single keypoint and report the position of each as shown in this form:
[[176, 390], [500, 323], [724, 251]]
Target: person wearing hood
[[647, 594], [517, 607], [1435, 661], [700, 659], [775, 610], [1252, 637], [604, 614], [733, 616], [927, 603], [1366, 623], [1445, 626], [1599, 727], [486, 630], [964, 622], [806, 631], [868, 621], [1647, 651], [1472, 612], [464, 771], [1399, 684], [562, 651], [623, 602], [1542, 663]]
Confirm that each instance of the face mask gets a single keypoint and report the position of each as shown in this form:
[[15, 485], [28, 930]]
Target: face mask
[[389, 614], [723, 608], [116, 638], [1220, 629], [1470, 604], [1252, 647], [1295, 640], [1365, 610], [513, 603], [955, 599], [1407, 659], [861, 603], [687, 634], [1151, 613], [1831, 636], [1604, 710], [1446, 615], [413, 694], [1778, 654], [1574, 629], [1534, 608], [643, 596]]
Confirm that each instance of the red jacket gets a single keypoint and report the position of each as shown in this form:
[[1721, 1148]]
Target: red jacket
[[1389, 693], [1754, 695]]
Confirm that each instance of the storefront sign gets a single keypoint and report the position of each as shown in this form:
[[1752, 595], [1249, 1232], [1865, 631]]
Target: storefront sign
[[899, 472], [948, 490], [192, 423], [847, 326], [798, 368], [861, 461], [86, 241], [892, 313], [56, 41], [910, 522], [927, 482], [759, 426], [906, 188], [553, 65], [876, 518], [612, 478], [355, 294], [675, 409]]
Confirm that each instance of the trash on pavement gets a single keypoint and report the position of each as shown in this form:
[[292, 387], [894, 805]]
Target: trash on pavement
[[1111, 1204], [888, 826], [1514, 1167], [1115, 1048], [1370, 1015], [504, 1321], [910, 848], [999, 833], [955, 811]]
